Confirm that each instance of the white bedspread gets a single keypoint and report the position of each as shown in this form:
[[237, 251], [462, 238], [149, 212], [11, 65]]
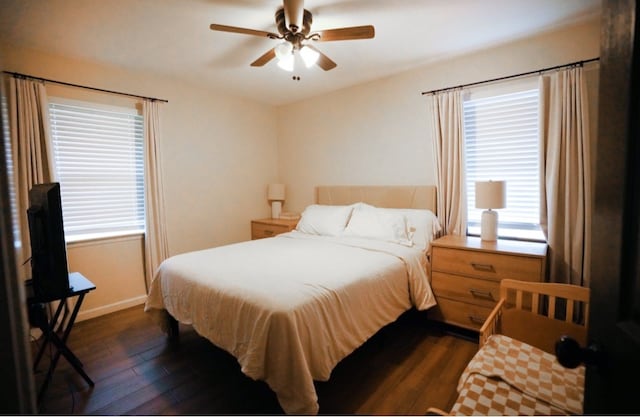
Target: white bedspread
[[289, 308]]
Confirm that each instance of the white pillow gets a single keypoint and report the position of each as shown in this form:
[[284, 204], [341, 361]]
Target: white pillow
[[423, 226], [373, 223], [319, 219]]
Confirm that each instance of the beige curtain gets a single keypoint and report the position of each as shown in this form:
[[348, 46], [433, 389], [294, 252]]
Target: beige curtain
[[155, 238], [447, 132], [565, 176], [31, 152]]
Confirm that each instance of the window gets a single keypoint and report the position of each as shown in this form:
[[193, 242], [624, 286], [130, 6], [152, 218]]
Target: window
[[502, 143], [9, 158], [98, 160]]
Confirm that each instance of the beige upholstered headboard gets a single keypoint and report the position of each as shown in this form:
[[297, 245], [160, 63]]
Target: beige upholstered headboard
[[390, 196]]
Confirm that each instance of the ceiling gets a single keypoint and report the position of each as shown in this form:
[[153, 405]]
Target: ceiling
[[172, 37]]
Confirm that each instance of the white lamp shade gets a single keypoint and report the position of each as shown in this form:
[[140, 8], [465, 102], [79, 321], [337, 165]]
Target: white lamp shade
[[491, 194], [275, 192]]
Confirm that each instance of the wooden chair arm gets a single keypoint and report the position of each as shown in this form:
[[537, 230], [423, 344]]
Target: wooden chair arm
[[490, 325], [433, 411]]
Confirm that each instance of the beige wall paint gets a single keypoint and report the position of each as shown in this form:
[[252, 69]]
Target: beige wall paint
[[379, 133], [219, 152], [116, 267]]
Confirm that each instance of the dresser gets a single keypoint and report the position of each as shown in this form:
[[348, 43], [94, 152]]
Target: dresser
[[271, 227], [466, 274]]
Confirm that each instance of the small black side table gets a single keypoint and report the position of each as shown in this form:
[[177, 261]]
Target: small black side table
[[79, 286]]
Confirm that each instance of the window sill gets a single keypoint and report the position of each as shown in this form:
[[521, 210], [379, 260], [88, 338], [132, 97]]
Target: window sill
[[101, 238], [511, 234]]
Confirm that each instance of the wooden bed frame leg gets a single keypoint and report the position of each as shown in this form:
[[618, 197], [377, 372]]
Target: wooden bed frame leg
[[173, 330]]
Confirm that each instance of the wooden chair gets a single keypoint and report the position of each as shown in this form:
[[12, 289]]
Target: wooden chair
[[539, 313], [535, 315]]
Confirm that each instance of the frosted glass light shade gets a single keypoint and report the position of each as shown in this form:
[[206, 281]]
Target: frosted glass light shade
[[287, 62], [490, 194], [275, 192], [283, 49], [309, 56]]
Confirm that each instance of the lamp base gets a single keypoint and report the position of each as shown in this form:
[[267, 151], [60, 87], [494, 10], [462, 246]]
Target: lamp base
[[276, 208], [489, 226]]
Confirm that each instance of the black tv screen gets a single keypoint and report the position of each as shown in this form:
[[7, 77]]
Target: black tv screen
[[49, 271]]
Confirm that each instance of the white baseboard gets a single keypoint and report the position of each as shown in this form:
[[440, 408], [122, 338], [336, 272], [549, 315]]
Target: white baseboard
[[110, 308]]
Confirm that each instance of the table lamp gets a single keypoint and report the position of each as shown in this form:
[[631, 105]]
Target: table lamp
[[490, 195], [275, 194]]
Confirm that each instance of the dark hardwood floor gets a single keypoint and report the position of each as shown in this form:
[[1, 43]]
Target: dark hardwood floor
[[407, 367]]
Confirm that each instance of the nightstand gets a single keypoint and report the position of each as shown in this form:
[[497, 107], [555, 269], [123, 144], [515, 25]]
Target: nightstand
[[466, 274], [270, 227]]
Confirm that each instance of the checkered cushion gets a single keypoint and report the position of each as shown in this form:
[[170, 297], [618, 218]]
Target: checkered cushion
[[488, 396], [529, 370]]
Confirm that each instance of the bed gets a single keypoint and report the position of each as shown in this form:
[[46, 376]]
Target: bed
[[290, 307]]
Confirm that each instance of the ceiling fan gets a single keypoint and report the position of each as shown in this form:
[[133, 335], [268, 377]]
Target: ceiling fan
[[294, 26]]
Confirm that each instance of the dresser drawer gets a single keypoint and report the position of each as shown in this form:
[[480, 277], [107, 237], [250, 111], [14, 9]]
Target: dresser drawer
[[472, 290], [261, 230], [470, 316], [486, 265]]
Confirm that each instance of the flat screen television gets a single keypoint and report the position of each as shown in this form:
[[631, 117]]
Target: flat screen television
[[49, 270]]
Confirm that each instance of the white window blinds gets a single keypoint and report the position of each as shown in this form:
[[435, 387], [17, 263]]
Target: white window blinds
[[9, 159], [98, 160], [502, 143]]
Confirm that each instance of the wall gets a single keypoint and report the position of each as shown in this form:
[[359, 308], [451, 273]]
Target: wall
[[379, 133], [218, 152]]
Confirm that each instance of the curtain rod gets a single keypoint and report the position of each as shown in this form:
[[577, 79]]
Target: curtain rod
[[577, 63], [18, 75]]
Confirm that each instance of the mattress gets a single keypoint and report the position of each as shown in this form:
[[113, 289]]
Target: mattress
[[289, 308]]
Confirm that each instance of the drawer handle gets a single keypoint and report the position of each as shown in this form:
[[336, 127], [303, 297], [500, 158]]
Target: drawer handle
[[268, 232], [476, 319], [481, 294], [483, 267]]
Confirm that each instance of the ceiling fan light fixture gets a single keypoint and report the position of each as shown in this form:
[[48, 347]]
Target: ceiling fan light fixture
[[283, 50], [287, 62], [309, 56], [293, 23]]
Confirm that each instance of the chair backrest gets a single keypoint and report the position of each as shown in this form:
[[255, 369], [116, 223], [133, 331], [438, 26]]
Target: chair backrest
[[540, 313]]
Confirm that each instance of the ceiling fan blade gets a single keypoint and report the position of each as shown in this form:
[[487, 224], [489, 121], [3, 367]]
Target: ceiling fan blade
[[233, 29], [324, 61], [343, 34], [266, 57]]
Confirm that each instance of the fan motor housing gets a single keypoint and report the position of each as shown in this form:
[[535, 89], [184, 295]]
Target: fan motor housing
[[281, 23]]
